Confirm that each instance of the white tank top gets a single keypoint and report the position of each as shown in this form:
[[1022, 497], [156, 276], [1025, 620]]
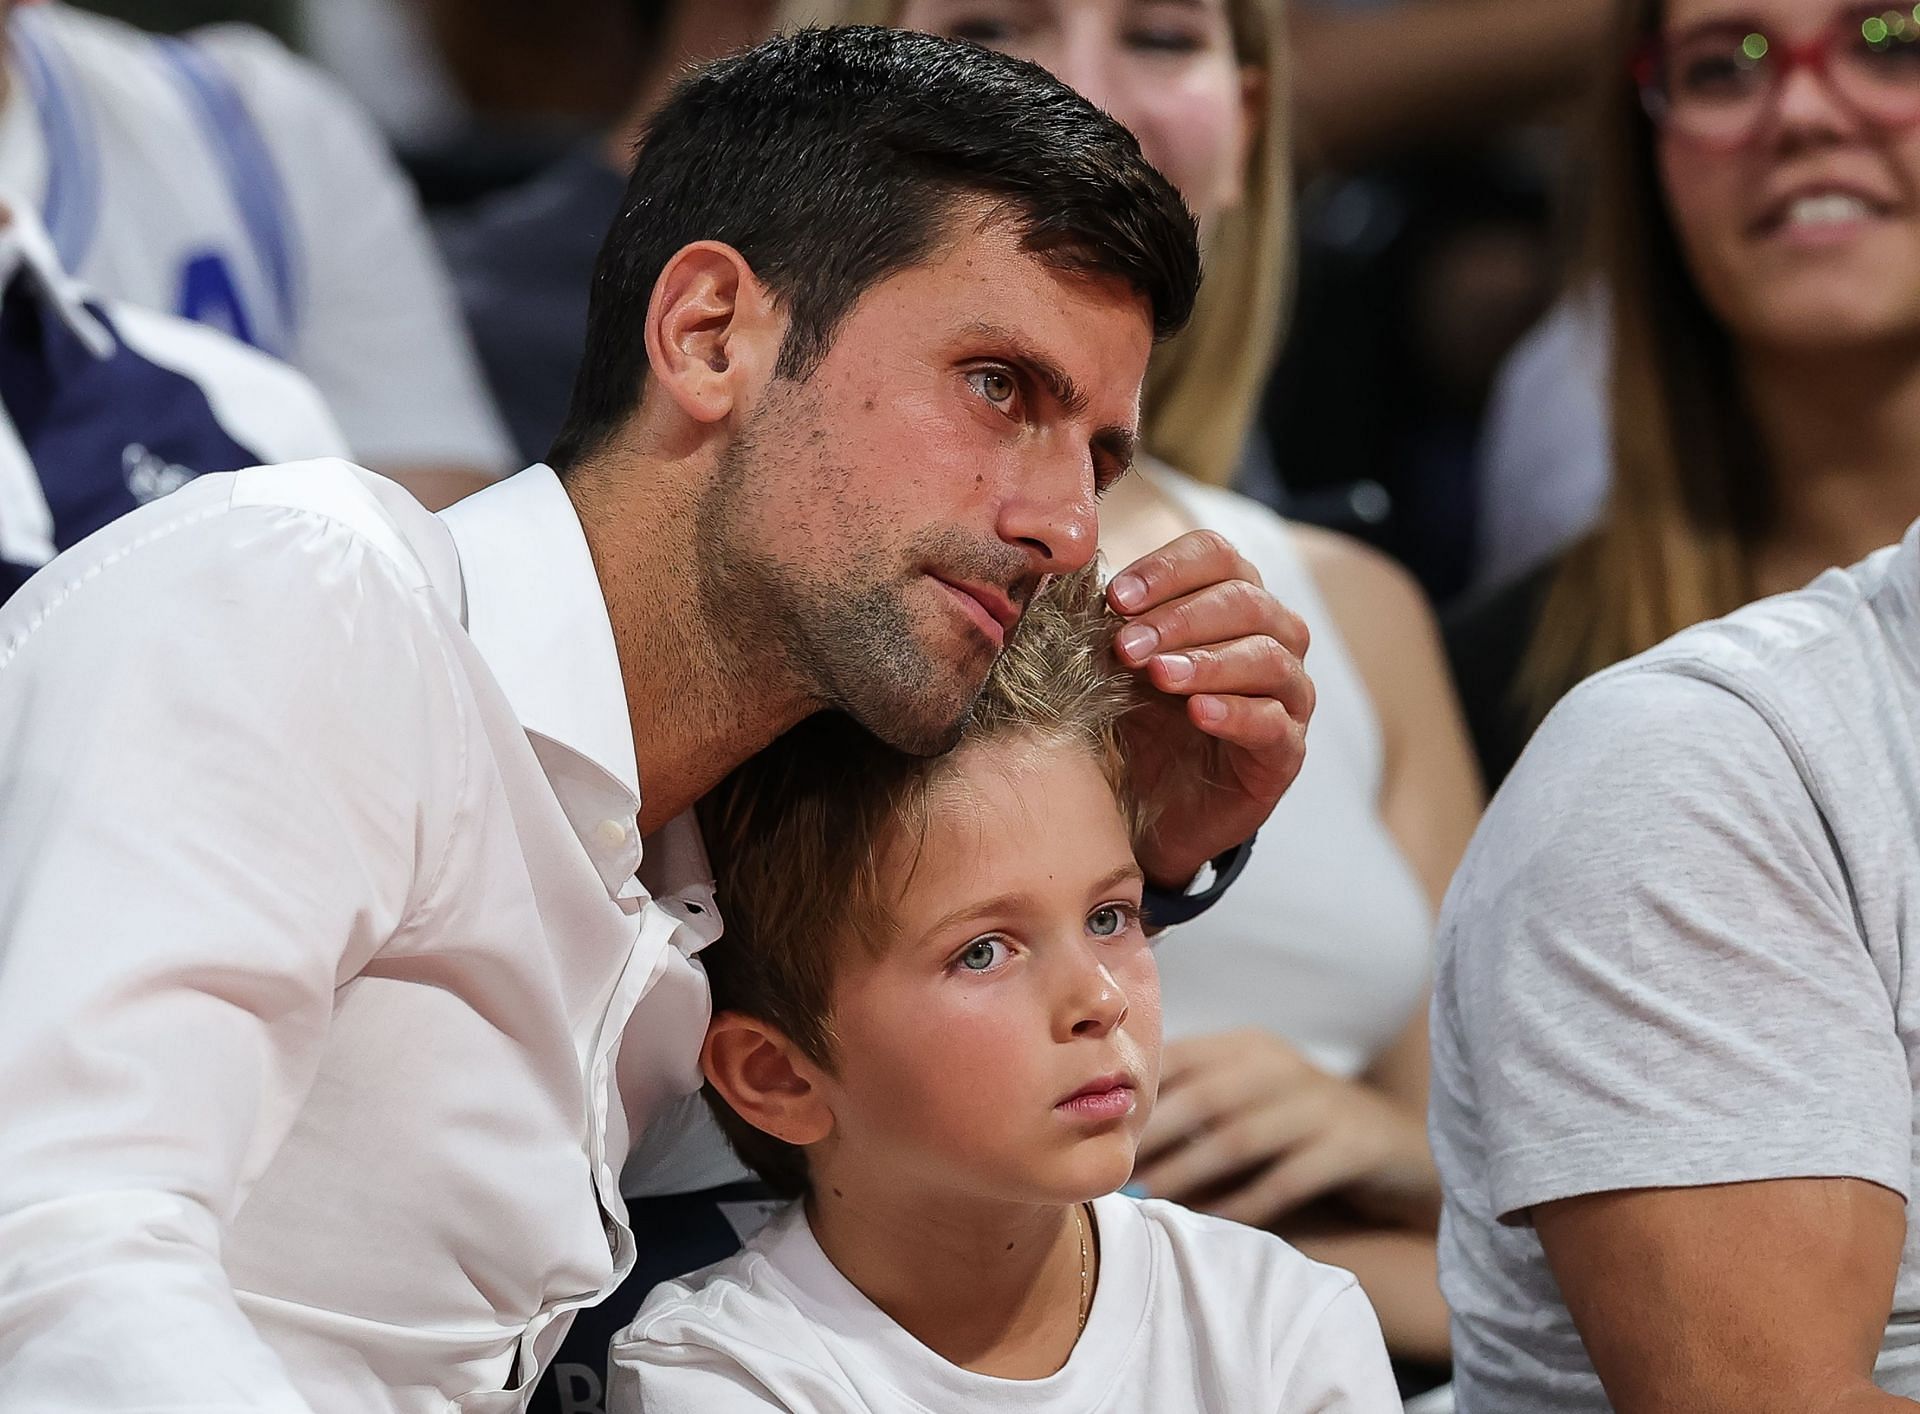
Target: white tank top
[[1326, 938]]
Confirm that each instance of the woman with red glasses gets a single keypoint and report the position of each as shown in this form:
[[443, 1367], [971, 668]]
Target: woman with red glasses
[[1676, 1025], [1755, 218]]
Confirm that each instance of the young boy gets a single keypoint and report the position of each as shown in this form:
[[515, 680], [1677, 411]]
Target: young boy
[[937, 1025]]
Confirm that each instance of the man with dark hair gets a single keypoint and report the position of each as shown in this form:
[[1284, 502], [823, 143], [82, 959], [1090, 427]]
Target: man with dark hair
[[349, 915]]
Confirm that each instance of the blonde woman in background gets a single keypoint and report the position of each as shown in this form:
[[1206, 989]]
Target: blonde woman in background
[[1296, 1077]]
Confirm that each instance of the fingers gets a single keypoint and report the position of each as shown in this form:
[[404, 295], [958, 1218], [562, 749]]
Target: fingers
[[1295, 1180], [1181, 1115], [1274, 1061], [1197, 559], [1216, 1155], [1215, 613], [1255, 669], [1257, 724]]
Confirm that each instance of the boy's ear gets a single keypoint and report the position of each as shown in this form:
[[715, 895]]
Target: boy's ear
[[766, 1079]]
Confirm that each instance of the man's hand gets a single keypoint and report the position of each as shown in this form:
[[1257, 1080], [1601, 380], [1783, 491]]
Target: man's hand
[[1248, 1128], [1226, 732]]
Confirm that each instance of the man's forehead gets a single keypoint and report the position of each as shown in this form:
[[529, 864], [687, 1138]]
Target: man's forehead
[[983, 245]]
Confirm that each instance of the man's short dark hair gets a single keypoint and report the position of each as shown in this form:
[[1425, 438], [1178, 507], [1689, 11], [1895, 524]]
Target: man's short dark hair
[[832, 159]]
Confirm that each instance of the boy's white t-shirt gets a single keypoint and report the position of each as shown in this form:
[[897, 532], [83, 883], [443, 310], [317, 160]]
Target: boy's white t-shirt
[[1192, 1314]]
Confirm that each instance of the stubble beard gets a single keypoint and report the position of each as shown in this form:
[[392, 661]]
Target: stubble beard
[[841, 638]]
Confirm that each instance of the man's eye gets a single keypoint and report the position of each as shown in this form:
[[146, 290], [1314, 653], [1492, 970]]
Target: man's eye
[[996, 385], [982, 955], [1110, 920]]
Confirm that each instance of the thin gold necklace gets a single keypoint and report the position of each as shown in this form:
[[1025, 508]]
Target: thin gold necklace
[[1080, 1225]]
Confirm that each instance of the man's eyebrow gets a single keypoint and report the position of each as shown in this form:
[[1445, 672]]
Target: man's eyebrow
[[1118, 444], [1058, 381]]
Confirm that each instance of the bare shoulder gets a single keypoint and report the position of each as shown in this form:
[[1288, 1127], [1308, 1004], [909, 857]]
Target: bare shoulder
[[1379, 609]]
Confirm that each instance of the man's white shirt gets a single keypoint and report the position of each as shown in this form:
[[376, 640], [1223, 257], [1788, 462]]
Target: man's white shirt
[[321, 945], [220, 178]]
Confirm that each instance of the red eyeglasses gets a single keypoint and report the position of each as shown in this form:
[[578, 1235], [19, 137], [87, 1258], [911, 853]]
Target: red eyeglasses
[[1716, 85]]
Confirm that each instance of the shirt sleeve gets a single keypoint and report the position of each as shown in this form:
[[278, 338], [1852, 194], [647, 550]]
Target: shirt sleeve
[[1660, 979], [655, 1377], [1341, 1365], [210, 791], [380, 332]]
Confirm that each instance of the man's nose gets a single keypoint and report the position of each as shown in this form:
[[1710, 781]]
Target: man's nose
[[1051, 513]]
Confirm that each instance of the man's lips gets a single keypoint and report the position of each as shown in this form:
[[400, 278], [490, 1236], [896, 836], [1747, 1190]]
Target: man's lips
[[990, 608], [1109, 1097]]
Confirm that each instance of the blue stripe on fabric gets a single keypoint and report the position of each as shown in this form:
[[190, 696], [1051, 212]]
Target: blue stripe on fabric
[[251, 175], [71, 207]]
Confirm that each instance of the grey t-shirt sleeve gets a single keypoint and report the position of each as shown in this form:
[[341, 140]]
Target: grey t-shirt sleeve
[[1662, 980]]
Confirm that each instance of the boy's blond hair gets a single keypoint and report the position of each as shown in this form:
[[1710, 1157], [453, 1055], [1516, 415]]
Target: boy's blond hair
[[797, 834]]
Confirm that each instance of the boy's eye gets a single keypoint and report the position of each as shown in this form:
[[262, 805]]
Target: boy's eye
[[1109, 920], [982, 955]]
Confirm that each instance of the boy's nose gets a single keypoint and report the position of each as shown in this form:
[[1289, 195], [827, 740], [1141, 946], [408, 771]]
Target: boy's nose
[[1101, 1006]]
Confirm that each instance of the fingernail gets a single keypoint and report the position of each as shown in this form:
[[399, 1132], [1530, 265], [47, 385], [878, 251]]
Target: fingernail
[[1211, 709], [1129, 591], [1138, 641], [1177, 667]]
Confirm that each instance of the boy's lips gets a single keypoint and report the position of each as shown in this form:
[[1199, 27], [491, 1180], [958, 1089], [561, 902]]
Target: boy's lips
[[1108, 1097]]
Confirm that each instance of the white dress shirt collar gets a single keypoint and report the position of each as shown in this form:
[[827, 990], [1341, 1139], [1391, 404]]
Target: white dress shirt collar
[[535, 610], [24, 243]]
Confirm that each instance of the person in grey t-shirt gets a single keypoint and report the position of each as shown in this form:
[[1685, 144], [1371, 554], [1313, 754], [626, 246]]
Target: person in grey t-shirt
[[1674, 1045]]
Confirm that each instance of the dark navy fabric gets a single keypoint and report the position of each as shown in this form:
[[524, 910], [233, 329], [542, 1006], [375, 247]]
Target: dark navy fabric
[[103, 434]]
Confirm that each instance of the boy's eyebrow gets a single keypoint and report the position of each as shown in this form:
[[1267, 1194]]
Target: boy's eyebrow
[[1128, 873], [1001, 903]]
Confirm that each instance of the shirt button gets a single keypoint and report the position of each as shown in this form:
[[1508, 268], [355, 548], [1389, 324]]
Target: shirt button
[[612, 832]]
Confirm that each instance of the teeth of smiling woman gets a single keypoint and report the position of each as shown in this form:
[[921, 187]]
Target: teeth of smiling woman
[[1832, 209]]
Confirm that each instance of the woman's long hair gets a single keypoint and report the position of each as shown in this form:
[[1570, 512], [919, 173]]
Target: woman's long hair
[[1691, 489], [1203, 387]]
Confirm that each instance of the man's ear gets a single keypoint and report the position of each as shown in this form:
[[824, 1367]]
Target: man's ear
[[713, 331], [766, 1079]]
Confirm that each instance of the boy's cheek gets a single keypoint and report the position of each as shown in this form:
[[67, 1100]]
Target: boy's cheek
[[1140, 980]]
